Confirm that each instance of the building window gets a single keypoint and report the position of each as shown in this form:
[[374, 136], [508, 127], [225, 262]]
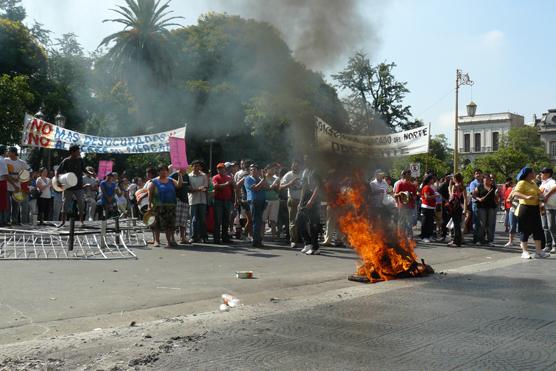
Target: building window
[[466, 142], [477, 142], [495, 141], [552, 149]]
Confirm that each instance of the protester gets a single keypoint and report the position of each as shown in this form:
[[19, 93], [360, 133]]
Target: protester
[[4, 202], [15, 166], [378, 191], [512, 218], [548, 188], [256, 186], [182, 203], [283, 224], [223, 202], [508, 187], [486, 198], [73, 164], [241, 203], [162, 200], [528, 213], [44, 186], [292, 182], [428, 206], [404, 193], [108, 196], [270, 213], [457, 207], [122, 201], [444, 198], [308, 214], [90, 190], [478, 179], [198, 202]]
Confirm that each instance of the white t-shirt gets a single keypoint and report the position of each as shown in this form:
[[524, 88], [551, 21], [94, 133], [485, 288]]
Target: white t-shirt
[[46, 191], [14, 167], [378, 190], [197, 181], [547, 185], [294, 191]]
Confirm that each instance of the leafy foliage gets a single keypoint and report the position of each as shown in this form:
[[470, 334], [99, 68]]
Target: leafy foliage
[[12, 10], [16, 97], [374, 95]]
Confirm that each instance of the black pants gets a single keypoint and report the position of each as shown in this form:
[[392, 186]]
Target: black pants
[[427, 224], [457, 217], [308, 225], [43, 205]]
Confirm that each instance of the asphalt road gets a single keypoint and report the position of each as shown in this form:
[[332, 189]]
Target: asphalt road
[[491, 310]]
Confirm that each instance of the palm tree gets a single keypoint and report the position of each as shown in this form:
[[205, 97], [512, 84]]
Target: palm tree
[[143, 43]]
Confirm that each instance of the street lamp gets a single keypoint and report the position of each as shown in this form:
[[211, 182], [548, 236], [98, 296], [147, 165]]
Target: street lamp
[[60, 120], [210, 141], [461, 79], [40, 114]]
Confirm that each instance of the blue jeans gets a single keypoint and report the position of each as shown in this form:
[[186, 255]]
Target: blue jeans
[[198, 226], [475, 218], [222, 210], [257, 208]]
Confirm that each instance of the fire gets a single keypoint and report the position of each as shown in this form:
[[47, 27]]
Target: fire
[[383, 257]]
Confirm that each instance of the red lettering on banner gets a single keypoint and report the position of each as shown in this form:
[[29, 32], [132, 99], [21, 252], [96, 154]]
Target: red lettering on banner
[[37, 140], [44, 127]]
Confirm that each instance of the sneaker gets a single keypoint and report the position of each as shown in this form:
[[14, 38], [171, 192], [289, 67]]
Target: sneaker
[[526, 255], [425, 240], [553, 251], [547, 249], [306, 248], [293, 245], [156, 244], [542, 255], [509, 244], [491, 244], [313, 251]]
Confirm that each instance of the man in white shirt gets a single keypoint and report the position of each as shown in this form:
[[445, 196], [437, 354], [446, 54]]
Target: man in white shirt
[[292, 182], [549, 218], [198, 202], [15, 166], [378, 190]]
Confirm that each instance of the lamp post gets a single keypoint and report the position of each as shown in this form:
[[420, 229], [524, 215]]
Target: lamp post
[[461, 79], [210, 141]]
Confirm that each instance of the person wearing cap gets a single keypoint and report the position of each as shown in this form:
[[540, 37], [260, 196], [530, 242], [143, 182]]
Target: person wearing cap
[[198, 202], [548, 188], [528, 213], [90, 189], [4, 202], [256, 187], [73, 164], [223, 201], [15, 165]]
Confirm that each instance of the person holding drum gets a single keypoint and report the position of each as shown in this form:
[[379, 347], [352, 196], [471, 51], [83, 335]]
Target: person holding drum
[[72, 183], [19, 173], [162, 201]]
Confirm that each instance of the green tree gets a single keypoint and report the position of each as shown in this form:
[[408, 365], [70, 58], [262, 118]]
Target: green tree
[[21, 54], [16, 97], [522, 146], [142, 46], [374, 94], [12, 10]]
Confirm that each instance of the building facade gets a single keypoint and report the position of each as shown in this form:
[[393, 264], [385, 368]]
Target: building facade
[[482, 134], [547, 131]]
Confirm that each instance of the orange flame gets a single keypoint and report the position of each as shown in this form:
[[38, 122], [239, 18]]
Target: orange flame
[[382, 257]]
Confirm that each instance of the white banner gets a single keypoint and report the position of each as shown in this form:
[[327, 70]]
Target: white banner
[[39, 133], [405, 143]]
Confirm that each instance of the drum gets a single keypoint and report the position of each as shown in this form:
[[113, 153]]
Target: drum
[[64, 181], [142, 198], [19, 196], [149, 218], [24, 176]]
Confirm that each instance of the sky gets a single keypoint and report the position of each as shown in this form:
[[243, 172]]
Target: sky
[[505, 46]]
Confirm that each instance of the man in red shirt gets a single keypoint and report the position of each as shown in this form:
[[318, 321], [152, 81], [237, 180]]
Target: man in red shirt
[[223, 200], [405, 193]]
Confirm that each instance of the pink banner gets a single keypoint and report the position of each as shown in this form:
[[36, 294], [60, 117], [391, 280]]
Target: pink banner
[[178, 156], [104, 167]]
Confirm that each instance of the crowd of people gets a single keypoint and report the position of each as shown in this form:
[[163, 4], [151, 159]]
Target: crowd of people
[[245, 201]]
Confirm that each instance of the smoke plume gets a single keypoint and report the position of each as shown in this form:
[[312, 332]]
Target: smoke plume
[[320, 32]]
